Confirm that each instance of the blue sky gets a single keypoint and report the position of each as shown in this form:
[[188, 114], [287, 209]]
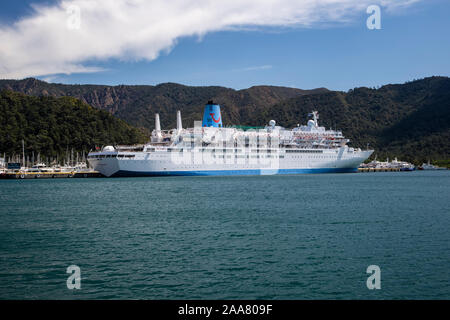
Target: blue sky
[[412, 43]]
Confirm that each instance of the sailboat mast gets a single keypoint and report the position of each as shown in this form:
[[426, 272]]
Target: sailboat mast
[[23, 152]]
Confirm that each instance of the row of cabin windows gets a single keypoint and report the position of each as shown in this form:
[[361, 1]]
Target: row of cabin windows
[[304, 151], [246, 156], [240, 150], [102, 156]]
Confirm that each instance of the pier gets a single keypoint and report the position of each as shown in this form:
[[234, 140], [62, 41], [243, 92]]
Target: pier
[[50, 175], [379, 169]]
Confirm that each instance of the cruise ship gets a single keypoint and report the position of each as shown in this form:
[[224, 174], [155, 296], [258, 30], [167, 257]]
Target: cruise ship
[[208, 149]]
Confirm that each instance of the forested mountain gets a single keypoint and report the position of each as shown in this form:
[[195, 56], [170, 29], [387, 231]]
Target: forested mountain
[[55, 126], [138, 104], [410, 121]]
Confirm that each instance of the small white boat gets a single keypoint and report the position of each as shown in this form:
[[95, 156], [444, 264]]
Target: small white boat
[[39, 167], [429, 166]]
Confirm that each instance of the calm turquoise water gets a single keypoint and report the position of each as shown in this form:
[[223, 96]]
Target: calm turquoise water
[[262, 237]]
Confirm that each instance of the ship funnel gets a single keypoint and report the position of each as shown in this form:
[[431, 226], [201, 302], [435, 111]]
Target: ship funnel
[[211, 115], [179, 124]]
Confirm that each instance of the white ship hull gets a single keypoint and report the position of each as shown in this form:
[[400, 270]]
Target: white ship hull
[[197, 162]]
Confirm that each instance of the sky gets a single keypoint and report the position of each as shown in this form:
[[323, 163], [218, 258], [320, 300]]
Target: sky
[[236, 43]]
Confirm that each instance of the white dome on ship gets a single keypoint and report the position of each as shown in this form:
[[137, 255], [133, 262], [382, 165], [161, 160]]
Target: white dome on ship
[[108, 148], [272, 123], [311, 123]]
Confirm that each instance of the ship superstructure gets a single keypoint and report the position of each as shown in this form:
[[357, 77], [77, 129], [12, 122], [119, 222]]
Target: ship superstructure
[[211, 149]]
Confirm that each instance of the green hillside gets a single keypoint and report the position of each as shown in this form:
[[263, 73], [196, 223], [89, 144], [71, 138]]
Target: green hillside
[[409, 121], [137, 105], [52, 126]]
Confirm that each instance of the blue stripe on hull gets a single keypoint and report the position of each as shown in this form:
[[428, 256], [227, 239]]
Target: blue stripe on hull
[[123, 173]]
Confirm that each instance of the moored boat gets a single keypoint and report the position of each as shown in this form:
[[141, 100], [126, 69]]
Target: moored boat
[[211, 149]]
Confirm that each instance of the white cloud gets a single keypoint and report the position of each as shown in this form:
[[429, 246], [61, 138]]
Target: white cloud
[[256, 68], [43, 44]]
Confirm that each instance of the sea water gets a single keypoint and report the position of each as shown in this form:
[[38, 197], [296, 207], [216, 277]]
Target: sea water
[[253, 237]]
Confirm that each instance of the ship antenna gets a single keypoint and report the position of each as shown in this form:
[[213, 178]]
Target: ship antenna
[[316, 117]]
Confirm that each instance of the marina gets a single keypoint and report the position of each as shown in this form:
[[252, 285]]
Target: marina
[[160, 140], [15, 170], [209, 149]]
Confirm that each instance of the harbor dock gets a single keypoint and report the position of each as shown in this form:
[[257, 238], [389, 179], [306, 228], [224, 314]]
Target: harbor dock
[[379, 169], [15, 170], [50, 175]]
